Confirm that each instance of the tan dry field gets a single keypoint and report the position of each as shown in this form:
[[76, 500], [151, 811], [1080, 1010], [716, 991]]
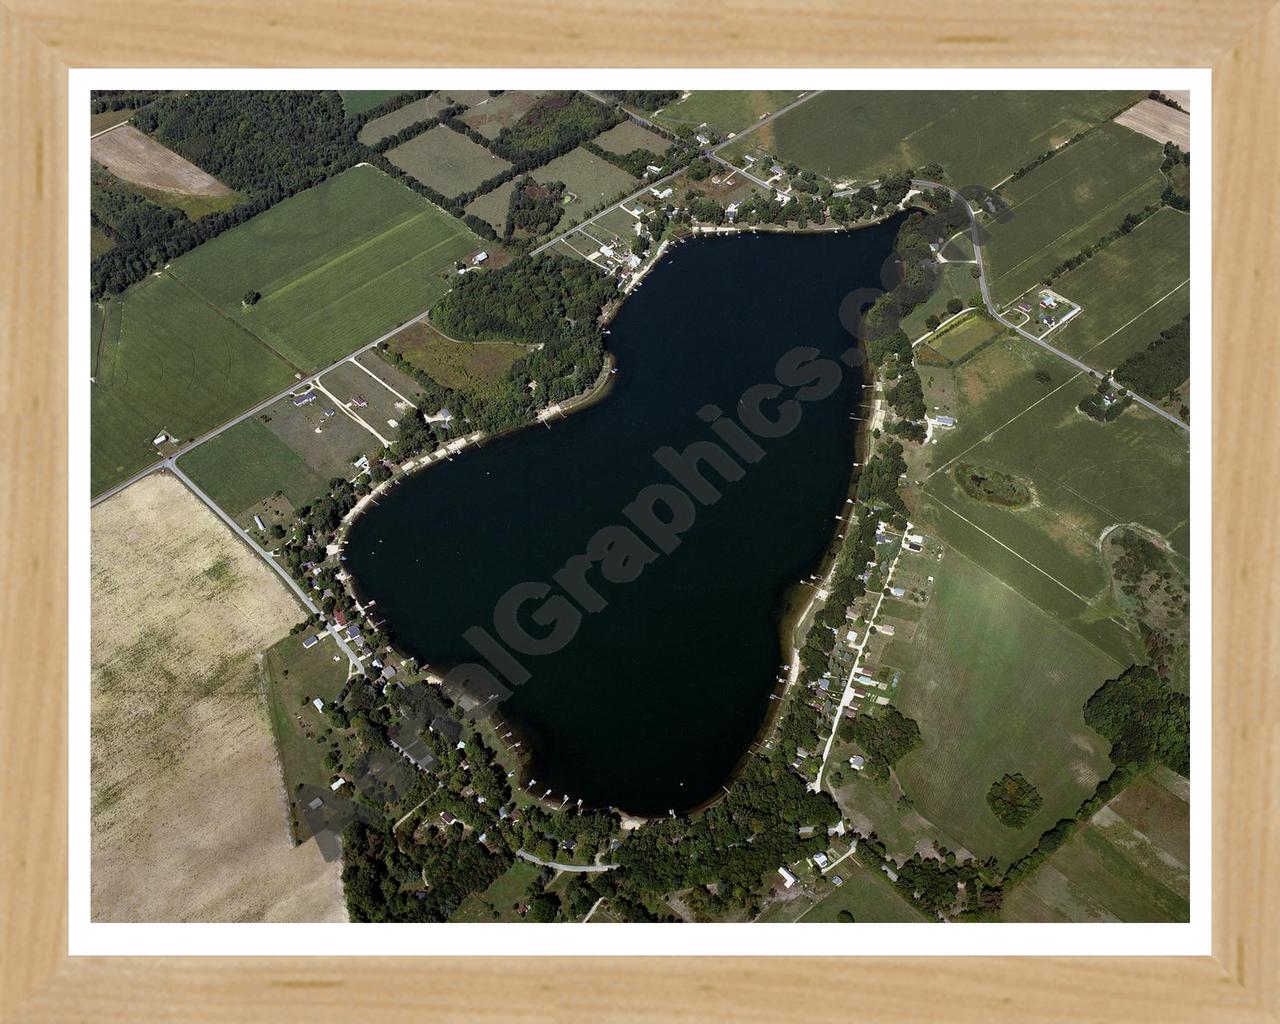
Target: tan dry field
[[188, 816], [134, 156], [1159, 121]]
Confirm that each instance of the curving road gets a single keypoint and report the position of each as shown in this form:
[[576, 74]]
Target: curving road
[[581, 868], [991, 308]]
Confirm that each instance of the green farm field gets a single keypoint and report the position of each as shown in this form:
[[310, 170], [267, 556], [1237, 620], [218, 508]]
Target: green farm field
[[492, 206], [493, 114], [592, 180], [246, 464], [1129, 292], [1069, 202], [626, 136], [725, 112], [357, 101], [401, 118], [1085, 477], [169, 361], [336, 265], [286, 448], [1130, 862], [996, 685], [446, 161], [979, 138], [958, 341]]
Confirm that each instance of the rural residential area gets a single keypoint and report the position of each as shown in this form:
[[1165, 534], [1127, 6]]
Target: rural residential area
[[604, 506]]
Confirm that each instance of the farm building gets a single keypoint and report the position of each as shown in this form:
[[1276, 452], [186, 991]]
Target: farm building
[[257, 521], [319, 704], [479, 258], [337, 784], [310, 642], [898, 591], [887, 629]]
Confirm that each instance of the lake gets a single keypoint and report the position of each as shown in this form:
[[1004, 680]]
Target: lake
[[658, 696]]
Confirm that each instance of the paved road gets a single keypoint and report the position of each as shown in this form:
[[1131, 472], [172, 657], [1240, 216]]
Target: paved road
[[654, 184], [744, 172], [846, 696], [590, 869], [991, 308], [265, 555]]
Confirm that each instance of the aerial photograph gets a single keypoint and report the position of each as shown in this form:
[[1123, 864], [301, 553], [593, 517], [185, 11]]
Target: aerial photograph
[[589, 506]]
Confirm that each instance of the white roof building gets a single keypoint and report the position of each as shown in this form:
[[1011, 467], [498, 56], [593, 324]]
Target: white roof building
[[319, 704], [788, 879]]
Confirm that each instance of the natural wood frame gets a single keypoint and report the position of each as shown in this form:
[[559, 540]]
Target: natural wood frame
[[40, 39]]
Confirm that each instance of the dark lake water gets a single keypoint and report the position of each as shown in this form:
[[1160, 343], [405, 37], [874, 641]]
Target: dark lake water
[[657, 697]]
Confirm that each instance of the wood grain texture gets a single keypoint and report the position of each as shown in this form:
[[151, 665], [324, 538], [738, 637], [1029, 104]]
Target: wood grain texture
[[39, 39]]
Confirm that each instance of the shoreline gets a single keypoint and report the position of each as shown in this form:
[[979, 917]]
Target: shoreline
[[790, 615]]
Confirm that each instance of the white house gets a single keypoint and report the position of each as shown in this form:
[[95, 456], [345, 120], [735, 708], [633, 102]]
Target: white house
[[319, 704], [788, 879], [479, 258]]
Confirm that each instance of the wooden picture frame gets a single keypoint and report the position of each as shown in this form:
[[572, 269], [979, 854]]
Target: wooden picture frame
[[41, 40]]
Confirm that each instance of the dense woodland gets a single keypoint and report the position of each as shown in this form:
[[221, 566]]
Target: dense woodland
[[266, 144], [556, 125], [1161, 368], [886, 738], [534, 209], [1014, 800], [1146, 720]]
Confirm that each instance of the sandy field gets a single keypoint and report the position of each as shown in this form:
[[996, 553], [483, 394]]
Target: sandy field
[[1159, 121], [134, 156], [189, 820]]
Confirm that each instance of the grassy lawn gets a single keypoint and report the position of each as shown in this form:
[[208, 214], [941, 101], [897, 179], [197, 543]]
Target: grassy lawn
[[177, 365], [956, 282], [446, 160], [592, 180], [978, 137], [866, 894], [336, 265], [294, 677], [725, 111], [1069, 202], [996, 686], [397, 380], [401, 118], [383, 411], [497, 902], [467, 366], [1129, 292]]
